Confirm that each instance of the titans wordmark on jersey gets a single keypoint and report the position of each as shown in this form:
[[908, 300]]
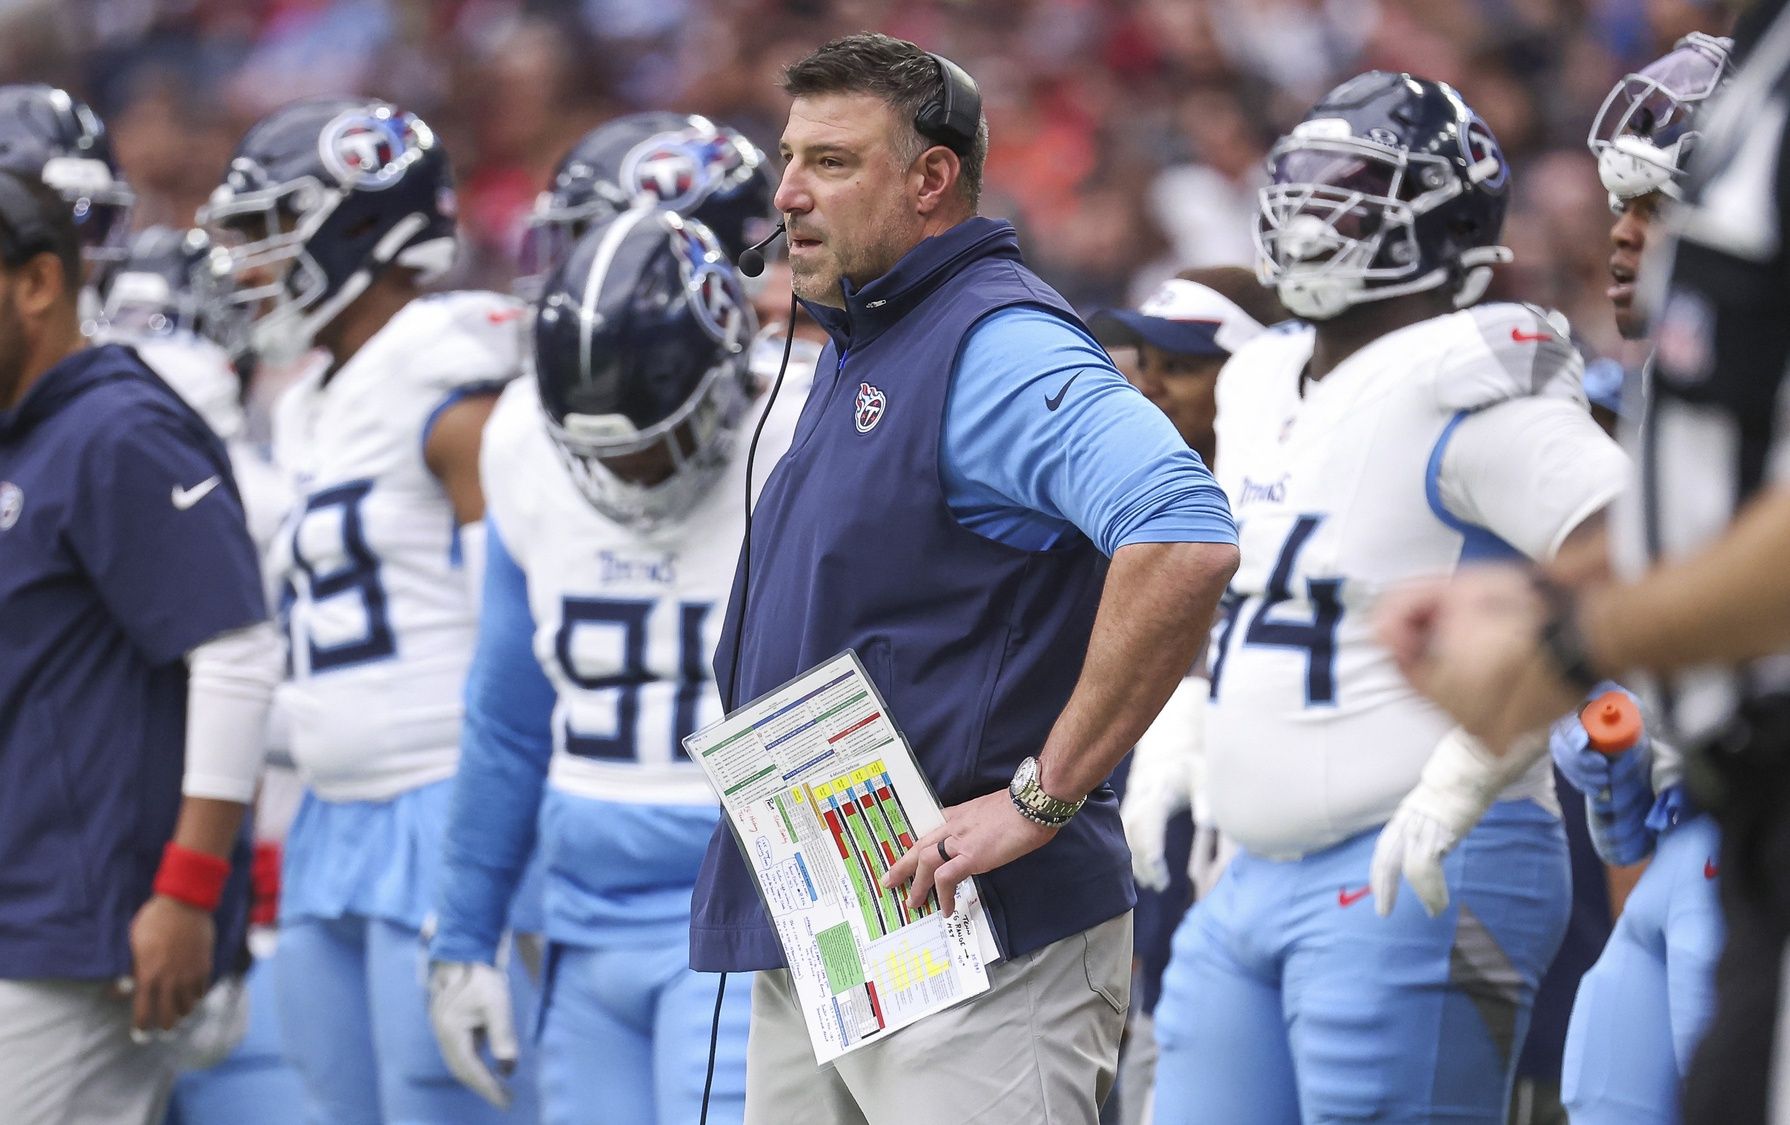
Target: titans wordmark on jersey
[[377, 606], [626, 621], [1342, 488]]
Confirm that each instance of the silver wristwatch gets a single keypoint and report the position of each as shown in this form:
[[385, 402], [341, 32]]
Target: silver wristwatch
[[1034, 803]]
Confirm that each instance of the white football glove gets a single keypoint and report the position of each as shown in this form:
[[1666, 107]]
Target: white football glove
[[215, 1028], [1166, 770], [1459, 783], [470, 1002]]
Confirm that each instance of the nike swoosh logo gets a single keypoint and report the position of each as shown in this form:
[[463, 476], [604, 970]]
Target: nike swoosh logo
[[1056, 400], [1345, 897], [1519, 336], [185, 498], [1710, 870]]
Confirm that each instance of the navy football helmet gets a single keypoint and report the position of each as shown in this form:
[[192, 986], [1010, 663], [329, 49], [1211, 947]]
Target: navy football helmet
[[47, 134], [1644, 132], [1391, 185], [170, 281], [640, 355], [320, 197], [680, 162]]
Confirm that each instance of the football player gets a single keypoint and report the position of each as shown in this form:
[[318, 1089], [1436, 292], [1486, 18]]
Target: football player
[[684, 163], [1403, 431], [48, 134], [680, 162], [1642, 1008], [336, 212], [616, 488]]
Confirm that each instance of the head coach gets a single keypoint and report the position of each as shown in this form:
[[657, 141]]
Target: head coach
[[966, 463], [135, 668]]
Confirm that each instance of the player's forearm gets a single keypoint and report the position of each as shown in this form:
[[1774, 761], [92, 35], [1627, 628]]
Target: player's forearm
[[1155, 612], [209, 825], [1728, 603], [1584, 558]]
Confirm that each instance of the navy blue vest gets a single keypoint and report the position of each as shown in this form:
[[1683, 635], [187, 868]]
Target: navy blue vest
[[974, 644]]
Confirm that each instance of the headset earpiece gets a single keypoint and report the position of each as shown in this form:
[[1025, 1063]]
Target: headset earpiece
[[955, 116]]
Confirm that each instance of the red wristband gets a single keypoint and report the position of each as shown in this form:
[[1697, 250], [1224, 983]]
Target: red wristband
[[191, 877], [264, 884]]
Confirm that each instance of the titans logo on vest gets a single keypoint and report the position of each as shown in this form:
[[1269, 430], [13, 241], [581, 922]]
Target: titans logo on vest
[[869, 407], [12, 504]]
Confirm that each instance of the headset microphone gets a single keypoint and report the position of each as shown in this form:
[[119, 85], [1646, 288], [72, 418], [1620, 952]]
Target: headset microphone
[[751, 261]]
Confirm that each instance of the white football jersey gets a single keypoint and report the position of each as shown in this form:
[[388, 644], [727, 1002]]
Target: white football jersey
[[201, 373], [626, 621], [380, 614], [1459, 437]]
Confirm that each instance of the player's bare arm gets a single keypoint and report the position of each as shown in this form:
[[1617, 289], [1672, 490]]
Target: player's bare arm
[[452, 454]]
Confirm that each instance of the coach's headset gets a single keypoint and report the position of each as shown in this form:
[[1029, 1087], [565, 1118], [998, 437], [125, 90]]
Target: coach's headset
[[25, 230], [952, 119]]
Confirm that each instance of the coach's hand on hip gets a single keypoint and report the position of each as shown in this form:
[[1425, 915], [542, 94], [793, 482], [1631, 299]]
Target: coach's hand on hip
[[171, 951], [978, 835]]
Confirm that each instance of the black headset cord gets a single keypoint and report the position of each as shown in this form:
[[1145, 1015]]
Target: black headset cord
[[733, 675]]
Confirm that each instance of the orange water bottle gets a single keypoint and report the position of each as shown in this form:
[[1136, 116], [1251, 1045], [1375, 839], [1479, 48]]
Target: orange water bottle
[[1613, 722]]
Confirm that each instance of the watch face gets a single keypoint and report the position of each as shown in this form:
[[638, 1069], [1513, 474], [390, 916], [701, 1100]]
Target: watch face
[[1026, 774]]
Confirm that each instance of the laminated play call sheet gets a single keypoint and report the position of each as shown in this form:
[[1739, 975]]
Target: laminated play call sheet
[[823, 795]]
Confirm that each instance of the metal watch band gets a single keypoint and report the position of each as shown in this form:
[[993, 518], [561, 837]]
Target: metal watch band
[[1037, 817], [1034, 803]]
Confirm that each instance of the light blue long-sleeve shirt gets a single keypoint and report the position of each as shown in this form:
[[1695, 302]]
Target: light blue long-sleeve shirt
[[506, 743], [1042, 434]]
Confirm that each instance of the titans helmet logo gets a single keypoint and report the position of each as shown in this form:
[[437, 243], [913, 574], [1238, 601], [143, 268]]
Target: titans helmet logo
[[714, 292], [372, 149], [677, 170]]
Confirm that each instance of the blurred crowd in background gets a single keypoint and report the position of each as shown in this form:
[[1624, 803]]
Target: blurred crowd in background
[[1128, 136]]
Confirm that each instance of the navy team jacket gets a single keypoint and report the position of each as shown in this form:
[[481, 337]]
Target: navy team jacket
[[122, 547]]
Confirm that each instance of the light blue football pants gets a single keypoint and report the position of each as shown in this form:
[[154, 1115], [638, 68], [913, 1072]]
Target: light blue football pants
[[1287, 999], [1642, 1008], [354, 1022], [628, 1030], [254, 1082]]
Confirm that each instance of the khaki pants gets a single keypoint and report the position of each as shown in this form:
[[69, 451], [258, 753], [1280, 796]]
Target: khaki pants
[[66, 1058], [1040, 1047]]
